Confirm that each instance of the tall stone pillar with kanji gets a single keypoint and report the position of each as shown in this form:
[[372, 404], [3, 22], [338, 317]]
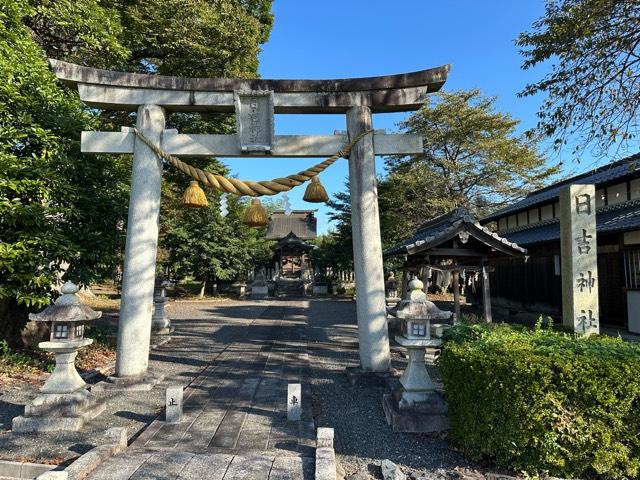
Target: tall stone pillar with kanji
[[579, 250]]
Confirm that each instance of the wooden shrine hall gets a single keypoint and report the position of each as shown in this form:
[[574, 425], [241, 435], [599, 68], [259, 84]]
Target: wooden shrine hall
[[292, 252], [455, 243]]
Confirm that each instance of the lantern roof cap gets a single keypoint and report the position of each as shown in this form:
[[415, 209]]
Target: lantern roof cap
[[67, 308], [415, 305]]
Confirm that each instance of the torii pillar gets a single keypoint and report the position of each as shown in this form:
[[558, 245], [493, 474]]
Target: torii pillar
[[254, 102], [373, 332], [138, 280]]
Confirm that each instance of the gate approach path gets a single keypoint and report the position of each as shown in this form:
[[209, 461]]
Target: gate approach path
[[241, 355], [235, 422]]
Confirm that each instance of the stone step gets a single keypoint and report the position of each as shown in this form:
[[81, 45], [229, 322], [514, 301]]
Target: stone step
[[138, 465]]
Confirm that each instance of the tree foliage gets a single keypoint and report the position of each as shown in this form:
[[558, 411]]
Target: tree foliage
[[201, 243], [593, 89], [472, 157], [56, 207], [61, 211]]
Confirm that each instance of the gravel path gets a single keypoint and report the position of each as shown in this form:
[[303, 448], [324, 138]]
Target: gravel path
[[363, 438]]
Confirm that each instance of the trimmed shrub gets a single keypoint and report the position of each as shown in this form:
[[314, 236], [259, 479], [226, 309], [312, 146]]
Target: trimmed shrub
[[543, 401]]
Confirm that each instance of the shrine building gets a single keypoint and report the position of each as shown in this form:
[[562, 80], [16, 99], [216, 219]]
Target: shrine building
[[534, 286], [292, 252]]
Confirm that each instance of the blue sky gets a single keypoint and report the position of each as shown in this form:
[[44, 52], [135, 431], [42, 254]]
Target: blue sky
[[353, 38]]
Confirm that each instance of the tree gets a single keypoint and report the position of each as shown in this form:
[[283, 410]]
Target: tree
[[51, 212], [593, 89], [472, 157], [201, 243], [474, 152], [201, 38], [57, 207], [341, 239]]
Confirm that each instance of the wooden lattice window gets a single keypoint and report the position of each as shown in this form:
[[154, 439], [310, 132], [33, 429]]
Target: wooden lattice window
[[632, 268]]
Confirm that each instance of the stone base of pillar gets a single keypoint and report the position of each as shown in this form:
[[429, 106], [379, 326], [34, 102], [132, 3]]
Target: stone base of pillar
[[53, 412], [143, 383], [382, 379], [427, 416], [160, 332]]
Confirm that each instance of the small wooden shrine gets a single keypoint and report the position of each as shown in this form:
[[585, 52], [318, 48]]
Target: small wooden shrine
[[454, 243], [292, 252]]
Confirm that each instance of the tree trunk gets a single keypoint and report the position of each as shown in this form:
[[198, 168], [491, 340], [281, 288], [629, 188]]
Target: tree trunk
[[13, 318], [203, 286]]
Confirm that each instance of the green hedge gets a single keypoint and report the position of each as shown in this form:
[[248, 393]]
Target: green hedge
[[543, 401]]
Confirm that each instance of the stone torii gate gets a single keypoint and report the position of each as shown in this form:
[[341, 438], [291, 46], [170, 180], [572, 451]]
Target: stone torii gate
[[254, 102]]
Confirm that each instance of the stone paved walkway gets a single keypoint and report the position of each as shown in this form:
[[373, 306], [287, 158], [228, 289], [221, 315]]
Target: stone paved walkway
[[235, 423]]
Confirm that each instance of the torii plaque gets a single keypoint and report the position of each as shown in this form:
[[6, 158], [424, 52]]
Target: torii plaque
[[254, 120], [154, 95]]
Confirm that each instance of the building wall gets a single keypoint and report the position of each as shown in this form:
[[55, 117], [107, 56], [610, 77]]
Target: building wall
[[528, 286], [536, 286]]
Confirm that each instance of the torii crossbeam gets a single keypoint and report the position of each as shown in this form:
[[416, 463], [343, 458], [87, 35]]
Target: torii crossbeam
[[254, 102]]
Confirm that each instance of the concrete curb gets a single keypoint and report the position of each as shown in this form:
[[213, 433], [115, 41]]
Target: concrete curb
[[23, 470], [115, 442], [325, 455]]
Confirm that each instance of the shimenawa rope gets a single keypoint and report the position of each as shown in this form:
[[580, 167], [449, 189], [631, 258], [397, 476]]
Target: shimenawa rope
[[248, 187]]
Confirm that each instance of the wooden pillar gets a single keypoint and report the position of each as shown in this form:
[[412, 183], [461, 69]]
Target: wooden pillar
[[134, 327], [486, 293], [373, 334], [425, 278], [456, 294], [405, 283]]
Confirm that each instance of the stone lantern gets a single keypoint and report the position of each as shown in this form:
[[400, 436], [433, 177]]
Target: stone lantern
[[160, 320], [64, 402], [415, 406]]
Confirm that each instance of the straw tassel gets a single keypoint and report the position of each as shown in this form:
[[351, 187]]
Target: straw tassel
[[315, 192], [194, 196], [255, 215]]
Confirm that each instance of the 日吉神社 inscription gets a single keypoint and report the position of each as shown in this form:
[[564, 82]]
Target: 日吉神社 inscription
[[254, 120], [579, 258], [254, 101]]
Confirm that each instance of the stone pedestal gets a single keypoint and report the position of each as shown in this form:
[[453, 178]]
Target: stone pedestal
[[138, 383], [239, 289], [428, 416], [416, 406], [64, 403], [259, 291], [320, 290], [52, 412]]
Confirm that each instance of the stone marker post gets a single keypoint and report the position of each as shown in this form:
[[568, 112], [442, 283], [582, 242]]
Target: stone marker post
[[579, 251], [294, 402], [373, 334], [174, 404], [134, 327]]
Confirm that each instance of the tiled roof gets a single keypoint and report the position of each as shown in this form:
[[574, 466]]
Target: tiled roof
[[600, 176], [293, 241], [302, 223], [609, 219], [440, 229]]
